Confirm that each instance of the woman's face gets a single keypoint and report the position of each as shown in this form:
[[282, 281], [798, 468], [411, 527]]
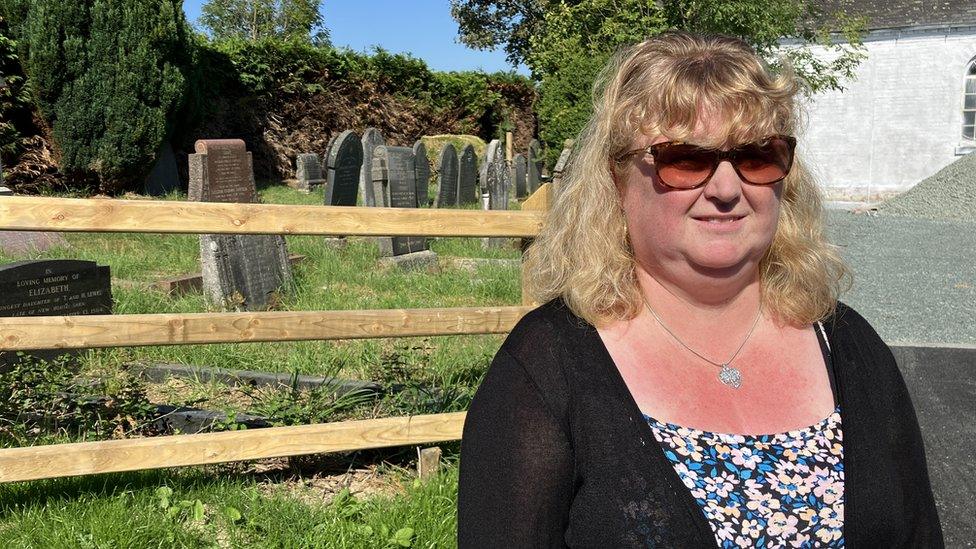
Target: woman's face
[[721, 229]]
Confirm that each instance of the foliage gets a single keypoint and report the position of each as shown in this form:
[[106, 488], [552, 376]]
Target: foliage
[[297, 20], [41, 398], [566, 42], [15, 97], [109, 81]]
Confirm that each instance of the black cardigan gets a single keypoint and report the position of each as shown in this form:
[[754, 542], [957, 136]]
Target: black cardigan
[[556, 452]]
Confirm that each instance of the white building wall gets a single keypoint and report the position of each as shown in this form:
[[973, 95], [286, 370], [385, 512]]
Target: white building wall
[[899, 122]]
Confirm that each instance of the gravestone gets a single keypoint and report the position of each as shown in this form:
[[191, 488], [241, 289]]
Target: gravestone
[[239, 271], [535, 165], [422, 168], [395, 178], [164, 177], [468, 176], [372, 138], [345, 161], [25, 242], [491, 155], [520, 167], [308, 171], [52, 288], [499, 180], [557, 171], [447, 178]]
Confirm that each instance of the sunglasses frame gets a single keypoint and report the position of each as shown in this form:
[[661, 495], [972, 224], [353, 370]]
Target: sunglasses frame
[[721, 156]]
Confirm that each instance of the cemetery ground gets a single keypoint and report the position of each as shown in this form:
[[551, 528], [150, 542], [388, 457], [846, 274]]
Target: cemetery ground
[[366, 499], [914, 279]]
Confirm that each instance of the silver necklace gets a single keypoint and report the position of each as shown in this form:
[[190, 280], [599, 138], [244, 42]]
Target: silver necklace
[[728, 375]]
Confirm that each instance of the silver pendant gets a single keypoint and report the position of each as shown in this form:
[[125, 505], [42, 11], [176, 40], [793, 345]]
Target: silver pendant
[[730, 376]]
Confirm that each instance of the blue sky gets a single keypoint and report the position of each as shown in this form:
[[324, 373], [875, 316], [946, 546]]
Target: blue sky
[[422, 28]]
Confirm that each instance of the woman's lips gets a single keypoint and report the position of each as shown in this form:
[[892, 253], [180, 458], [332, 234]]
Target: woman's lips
[[719, 222]]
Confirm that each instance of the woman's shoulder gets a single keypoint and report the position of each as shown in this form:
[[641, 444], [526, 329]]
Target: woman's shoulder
[[545, 329]]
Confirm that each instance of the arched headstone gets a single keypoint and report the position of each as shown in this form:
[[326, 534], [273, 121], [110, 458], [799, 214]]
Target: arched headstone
[[372, 138], [423, 173], [344, 164], [447, 178], [520, 166], [468, 176]]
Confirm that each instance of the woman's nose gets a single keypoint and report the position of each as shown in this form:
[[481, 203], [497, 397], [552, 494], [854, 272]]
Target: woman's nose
[[724, 185]]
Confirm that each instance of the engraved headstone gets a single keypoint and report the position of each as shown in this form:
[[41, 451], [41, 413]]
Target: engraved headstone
[[394, 173], [468, 176], [164, 177], [372, 138], [447, 178], [422, 167], [52, 288], [499, 180], [535, 164], [520, 167], [344, 164], [25, 242], [557, 171], [239, 271], [308, 171], [492, 152]]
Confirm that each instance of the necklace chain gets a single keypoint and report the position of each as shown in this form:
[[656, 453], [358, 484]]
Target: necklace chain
[[728, 375]]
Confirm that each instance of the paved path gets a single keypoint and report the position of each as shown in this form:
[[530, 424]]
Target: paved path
[[914, 279]]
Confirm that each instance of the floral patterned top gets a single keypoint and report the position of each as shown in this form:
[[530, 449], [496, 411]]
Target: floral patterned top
[[780, 490]]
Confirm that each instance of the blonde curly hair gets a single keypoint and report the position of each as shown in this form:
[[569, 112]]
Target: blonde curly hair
[[661, 87]]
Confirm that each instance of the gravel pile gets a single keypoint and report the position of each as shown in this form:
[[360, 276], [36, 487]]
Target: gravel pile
[[949, 194]]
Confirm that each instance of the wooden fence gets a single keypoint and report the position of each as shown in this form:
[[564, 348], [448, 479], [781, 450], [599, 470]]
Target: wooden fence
[[105, 215]]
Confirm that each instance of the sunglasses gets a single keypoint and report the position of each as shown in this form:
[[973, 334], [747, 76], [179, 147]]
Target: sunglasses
[[685, 166]]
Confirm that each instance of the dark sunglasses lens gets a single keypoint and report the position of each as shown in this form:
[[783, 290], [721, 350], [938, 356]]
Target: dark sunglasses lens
[[684, 166], [766, 162]]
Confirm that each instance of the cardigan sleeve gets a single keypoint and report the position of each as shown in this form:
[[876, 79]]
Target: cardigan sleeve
[[517, 467]]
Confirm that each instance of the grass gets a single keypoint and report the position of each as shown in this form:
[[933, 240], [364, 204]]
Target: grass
[[200, 509], [425, 375]]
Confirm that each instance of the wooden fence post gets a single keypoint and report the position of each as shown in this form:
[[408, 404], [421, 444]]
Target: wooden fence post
[[539, 201]]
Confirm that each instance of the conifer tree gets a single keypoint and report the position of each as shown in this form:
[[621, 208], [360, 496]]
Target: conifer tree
[[109, 79]]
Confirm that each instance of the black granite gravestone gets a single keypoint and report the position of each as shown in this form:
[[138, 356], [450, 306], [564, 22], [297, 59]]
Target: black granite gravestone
[[394, 172], [520, 166], [468, 176], [52, 288], [345, 161], [447, 178], [372, 138], [239, 271], [164, 177], [535, 165], [422, 167]]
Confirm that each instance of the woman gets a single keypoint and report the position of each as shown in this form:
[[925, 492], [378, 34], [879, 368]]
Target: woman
[[692, 380]]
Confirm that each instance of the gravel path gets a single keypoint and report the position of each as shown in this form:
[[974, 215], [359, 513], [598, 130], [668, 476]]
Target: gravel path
[[914, 278]]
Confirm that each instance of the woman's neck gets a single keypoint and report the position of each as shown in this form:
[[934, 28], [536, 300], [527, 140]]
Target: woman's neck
[[698, 299]]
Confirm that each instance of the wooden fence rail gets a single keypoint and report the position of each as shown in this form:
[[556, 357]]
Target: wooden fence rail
[[82, 332], [114, 456], [153, 216], [104, 215]]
